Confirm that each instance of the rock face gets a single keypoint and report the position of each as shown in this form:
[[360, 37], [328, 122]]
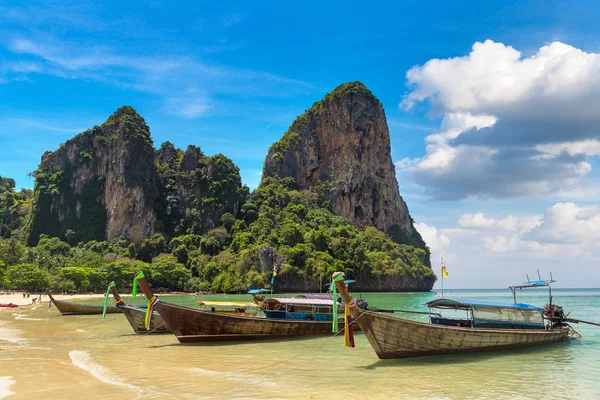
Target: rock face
[[195, 190], [109, 182], [343, 142], [98, 184]]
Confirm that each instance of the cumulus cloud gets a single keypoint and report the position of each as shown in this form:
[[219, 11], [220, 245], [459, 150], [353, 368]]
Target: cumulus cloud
[[568, 223], [513, 125], [565, 229], [479, 220], [437, 241]]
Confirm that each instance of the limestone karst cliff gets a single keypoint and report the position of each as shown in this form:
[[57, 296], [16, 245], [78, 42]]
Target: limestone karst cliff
[[99, 184], [328, 200], [109, 182], [343, 142]]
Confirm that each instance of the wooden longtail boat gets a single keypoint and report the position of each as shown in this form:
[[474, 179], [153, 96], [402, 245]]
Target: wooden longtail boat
[[68, 308], [300, 308], [230, 307], [393, 337], [193, 325], [136, 317]]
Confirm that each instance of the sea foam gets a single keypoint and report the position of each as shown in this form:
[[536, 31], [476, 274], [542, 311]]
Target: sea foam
[[83, 360], [5, 383], [10, 335], [26, 318]]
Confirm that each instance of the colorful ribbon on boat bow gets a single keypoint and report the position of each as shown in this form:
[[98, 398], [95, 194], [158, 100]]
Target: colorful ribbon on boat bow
[[339, 277], [153, 301], [120, 302], [134, 290], [110, 285], [348, 329]]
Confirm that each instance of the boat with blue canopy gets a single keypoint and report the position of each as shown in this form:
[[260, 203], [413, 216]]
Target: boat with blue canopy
[[486, 326], [484, 314], [300, 309]]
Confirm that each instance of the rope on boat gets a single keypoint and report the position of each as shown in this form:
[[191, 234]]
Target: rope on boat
[[342, 330]]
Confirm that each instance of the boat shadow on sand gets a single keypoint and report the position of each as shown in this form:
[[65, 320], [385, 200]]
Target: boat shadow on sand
[[551, 352]]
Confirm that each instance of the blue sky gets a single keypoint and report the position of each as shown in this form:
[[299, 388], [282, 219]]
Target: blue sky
[[490, 106]]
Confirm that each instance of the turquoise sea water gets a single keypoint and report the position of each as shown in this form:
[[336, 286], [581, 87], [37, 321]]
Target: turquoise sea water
[[50, 356]]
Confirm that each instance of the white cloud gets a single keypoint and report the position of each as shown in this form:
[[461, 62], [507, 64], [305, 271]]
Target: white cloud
[[565, 229], [512, 126], [510, 223], [436, 240], [186, 107], [406, 163], [568, 223], [186, 85]]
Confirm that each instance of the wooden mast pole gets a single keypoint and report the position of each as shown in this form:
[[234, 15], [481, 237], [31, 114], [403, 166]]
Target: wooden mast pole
[[115, 293], [442, 273], [145, 288]]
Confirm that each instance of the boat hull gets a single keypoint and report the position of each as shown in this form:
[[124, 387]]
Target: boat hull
[[393, 337], [192, 325], [137, 316], [67, 308]]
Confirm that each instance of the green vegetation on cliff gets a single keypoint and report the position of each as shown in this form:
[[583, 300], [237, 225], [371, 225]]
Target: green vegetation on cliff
[[14, 208], [292, 135], [195, 190], [106, 204], [309, 243]]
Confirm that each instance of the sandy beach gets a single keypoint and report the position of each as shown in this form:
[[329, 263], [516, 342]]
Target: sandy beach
[[18, 299]]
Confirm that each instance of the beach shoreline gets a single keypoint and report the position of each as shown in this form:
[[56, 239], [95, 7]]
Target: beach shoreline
[[18, 299]]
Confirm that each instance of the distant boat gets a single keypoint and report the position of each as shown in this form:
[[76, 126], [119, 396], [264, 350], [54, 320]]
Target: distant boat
[[137, 316], [193, 325], [488, 326], [68, 308], [10, 305]]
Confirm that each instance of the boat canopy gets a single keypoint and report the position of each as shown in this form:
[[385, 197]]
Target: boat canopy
[[314, 296], [470, 304], [532, 284], [306, 302], [258, 291], [226, 304], [485, 314], [346, 282]]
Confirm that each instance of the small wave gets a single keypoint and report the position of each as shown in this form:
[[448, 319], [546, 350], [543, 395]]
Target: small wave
[[79, 330], [83, 360], [26, 318], [10, 335], [5, 383], [235, 376]]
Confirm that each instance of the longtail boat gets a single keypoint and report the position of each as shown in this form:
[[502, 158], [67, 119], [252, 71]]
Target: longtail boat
[[136, 316], [68, 308], [194, 325], [488, 326], [230, 307], [300, 308]]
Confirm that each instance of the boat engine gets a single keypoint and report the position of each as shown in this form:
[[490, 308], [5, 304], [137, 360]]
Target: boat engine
[[555, 315], [363, 304], [554, 312]]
